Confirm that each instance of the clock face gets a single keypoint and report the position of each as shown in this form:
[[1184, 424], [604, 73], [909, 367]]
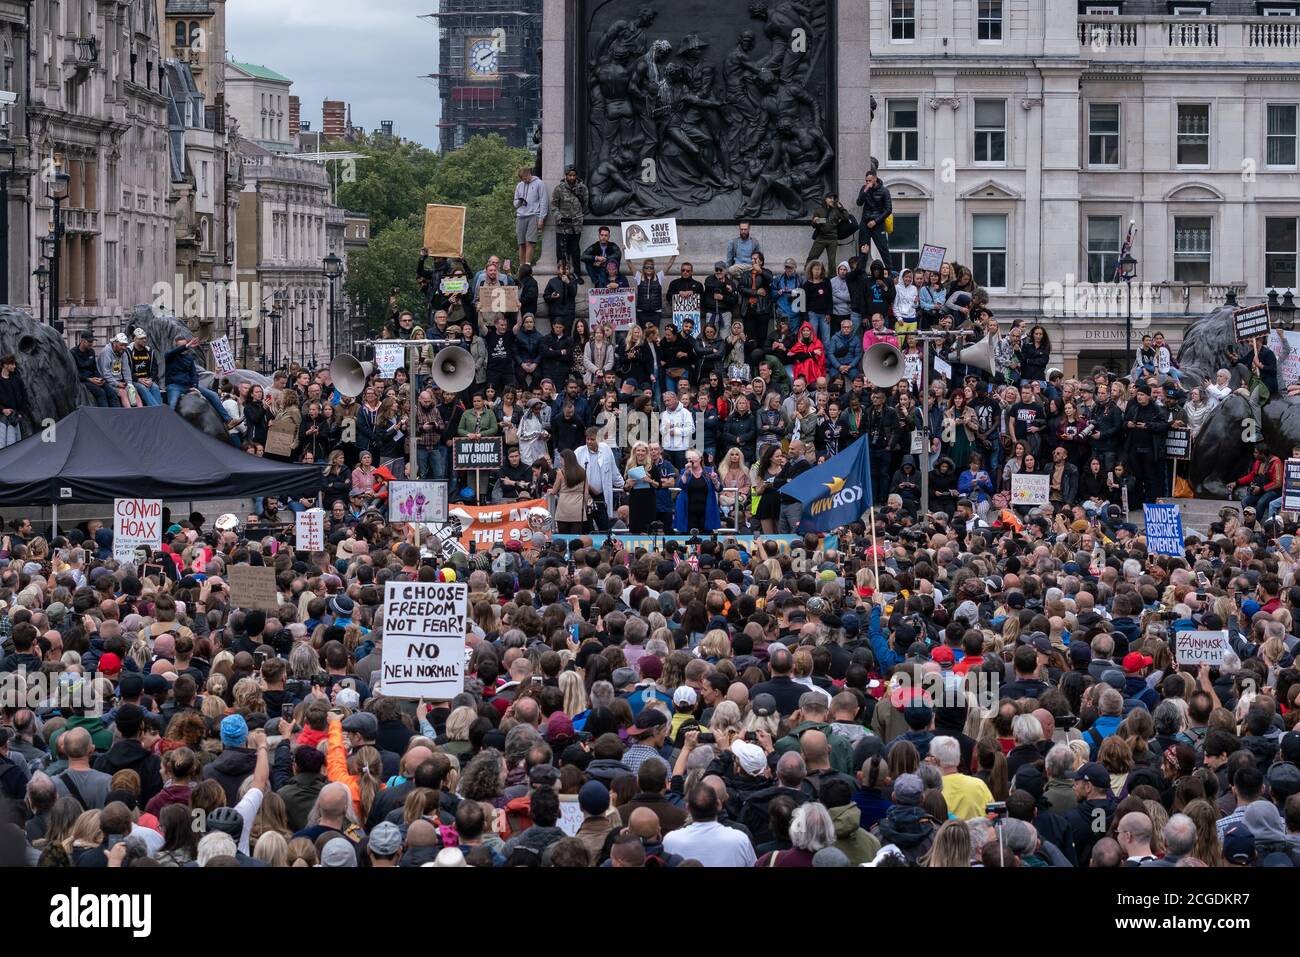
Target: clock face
[[481, 58]]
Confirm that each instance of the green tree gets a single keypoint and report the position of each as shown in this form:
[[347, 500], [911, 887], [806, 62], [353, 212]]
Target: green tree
[[384, 265]]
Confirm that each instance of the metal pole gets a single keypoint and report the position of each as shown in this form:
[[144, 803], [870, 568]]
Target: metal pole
[[4, 237], [924, 464], [54, 519], [1128, 324], [412, 405], [55, 268], [331, 322]]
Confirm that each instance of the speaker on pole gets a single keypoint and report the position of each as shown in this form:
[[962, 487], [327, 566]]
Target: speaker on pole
[[349, 374], [979, 355], [883, 365], [453, 369]]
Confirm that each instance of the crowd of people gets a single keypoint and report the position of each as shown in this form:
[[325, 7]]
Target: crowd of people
[[992, 697]]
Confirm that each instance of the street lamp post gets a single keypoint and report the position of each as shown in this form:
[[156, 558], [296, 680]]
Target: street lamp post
[[42, 274], [5, 173], [57, 191], [333, 269], [1127, 272]]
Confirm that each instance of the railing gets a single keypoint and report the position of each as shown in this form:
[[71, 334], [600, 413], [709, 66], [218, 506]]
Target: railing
[[1170, 37]]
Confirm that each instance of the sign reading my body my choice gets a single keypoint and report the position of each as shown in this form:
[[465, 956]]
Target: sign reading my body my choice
[[424, 639], [477, 454]]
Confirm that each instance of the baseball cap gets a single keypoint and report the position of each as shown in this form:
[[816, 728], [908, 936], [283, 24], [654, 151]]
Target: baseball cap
[[385, 839], [1094, 773], [1283, 780], [647, 722], [1290, 747], [942, 654], [121, 338], [623, 677], [1113, 677], [908, 789], [684, 695], [750, 757], [764, 705], [338, 853], [719, 265], [109, 664], [140, 334], [1238, 844], [1135, 661], [363, 723], [594, 798]]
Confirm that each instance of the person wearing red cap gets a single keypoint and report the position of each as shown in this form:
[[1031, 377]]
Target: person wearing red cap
[[1136, 667], [110, 665]]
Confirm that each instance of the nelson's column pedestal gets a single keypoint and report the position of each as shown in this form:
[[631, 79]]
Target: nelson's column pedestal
[[709, 111]]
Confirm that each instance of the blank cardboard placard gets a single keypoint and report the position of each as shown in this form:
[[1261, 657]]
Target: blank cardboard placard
[[253, 586], [281, 438], [444, 230]]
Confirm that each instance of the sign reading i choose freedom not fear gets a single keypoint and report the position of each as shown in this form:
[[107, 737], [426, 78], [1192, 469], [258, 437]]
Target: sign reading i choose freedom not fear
[[424, 639]]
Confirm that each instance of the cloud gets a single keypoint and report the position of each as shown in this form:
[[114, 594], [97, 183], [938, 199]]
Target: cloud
[[373, 56]]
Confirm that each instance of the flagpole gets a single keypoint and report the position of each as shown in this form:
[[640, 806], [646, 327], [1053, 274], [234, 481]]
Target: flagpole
[[875, 554]]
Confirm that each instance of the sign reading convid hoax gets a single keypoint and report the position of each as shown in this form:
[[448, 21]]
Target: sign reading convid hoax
[[424, 639], [136, 522], [1201, 647]]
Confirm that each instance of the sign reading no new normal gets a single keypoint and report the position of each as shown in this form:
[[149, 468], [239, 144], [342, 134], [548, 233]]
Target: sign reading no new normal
[[424, 639]]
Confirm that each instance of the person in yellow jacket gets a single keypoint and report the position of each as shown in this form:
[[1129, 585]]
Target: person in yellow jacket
[[967, 796]]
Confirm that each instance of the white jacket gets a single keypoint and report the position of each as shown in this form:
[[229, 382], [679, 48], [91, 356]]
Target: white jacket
[[602, 472]]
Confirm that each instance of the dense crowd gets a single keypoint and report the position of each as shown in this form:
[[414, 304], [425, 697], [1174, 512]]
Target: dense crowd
[[994, 697]]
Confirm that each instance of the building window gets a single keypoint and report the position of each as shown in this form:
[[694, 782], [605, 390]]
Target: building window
[[1279, 11], [1192, 248], [181, 33], [1280, 149], [1103, 134], [1189, 11], [990, 131], [1194, 135], [990, 21], [904, 136], [902, 19], [110, 269], [989, 250], [1093, 10], [1103, 247], [1280, 253], [905, 242]]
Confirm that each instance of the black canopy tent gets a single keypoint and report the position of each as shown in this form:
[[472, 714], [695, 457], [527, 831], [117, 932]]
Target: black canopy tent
[[96, 455]]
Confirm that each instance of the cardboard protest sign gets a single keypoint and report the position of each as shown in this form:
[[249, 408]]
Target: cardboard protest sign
[[309, 530], [417, 501], [1164, 529], [497, 298], [1251, 321], [1201, 647], [477, 453], [444, 230], [648, 238], [1178, 443], [253, 586], [137, 522], [1030, 489], [931, 259], [424, 639], [389, 357], [223, 358], [281, 437], [454, 285], [614, 307]]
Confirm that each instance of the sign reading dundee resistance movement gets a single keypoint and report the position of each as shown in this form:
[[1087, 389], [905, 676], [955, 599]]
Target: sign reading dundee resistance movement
[[716, 110]]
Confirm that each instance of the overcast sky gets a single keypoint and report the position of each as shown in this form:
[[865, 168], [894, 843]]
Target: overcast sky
[[369, 54]]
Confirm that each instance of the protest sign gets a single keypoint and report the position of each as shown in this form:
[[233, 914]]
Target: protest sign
[[912, 362], [417, 501], [136, 522], [931, 258], [454, 285], [253, 586], [389, 357], [1201, 647], [444, 229], [614, 307], [477, 454], [1164, 529], [309, 530], [488, 525], [1178, 443], [1030, 489], [424, 639], [281, 437], [1286, 346], [1291, 485], [223, 359], [942, 367], [1251, 321], [647, 238], [687, 306], [497, 298], [443, 540]]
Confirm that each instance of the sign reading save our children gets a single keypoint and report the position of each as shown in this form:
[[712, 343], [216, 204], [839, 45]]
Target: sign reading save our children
[[136, 522]]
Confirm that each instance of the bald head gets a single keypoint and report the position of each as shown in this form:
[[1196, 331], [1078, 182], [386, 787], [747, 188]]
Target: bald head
[[816, 750], [644, 823], [791, 769], [719, 788], [738, 693], [76, 744], [1047, 720], [333, 801], [414, 758], [528, 711], [421, 834]]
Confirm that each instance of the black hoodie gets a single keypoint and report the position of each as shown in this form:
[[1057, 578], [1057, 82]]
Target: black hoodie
[[131, 755], [910, 828], [229, 769]]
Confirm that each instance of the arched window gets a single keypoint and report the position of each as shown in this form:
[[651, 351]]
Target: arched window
[[181, 33]]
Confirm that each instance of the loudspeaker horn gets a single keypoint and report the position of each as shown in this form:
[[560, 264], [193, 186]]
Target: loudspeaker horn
[[979, 355], [453, 369], [349, 374], [883, 365]]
